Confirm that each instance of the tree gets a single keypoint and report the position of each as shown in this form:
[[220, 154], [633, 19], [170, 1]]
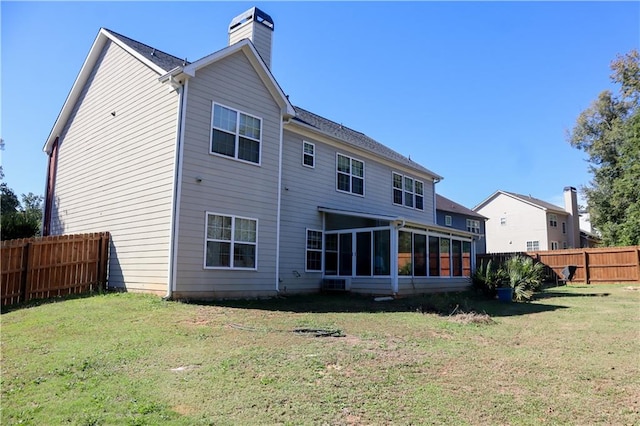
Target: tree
[[19, 220], [609, 132]]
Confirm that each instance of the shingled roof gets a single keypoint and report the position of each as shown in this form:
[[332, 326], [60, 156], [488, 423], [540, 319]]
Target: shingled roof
[[537, 201], [356, 139], [446, 205], [162, 59]]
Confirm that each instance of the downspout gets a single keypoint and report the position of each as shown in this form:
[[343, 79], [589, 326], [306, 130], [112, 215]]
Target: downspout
[[52, 171], [177, 191], [279, 206]]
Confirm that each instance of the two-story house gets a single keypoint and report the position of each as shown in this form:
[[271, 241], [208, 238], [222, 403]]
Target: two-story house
[[213, 185], [519, 222], [454, 215]]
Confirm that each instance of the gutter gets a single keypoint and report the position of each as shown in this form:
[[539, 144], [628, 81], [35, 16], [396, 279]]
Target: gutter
[[177, 191]]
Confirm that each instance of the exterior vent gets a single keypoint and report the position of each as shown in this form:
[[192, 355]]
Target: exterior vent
[[336, 284]]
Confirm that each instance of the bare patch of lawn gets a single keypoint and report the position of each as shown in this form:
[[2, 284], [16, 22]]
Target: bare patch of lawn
[[566, 358]]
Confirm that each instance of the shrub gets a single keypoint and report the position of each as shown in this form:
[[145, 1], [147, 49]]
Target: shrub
[[524, 275], [487, 278]]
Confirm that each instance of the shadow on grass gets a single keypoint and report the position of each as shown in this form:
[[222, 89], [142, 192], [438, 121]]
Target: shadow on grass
[[37, 302], [444, 304], [553, 294]]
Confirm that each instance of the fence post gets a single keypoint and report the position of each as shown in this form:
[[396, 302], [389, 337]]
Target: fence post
[[24, 272], [585, 260], [638, 263]]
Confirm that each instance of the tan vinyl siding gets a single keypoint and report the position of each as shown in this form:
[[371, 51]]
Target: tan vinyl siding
[[115, 173], [228, 187], [304, 189]]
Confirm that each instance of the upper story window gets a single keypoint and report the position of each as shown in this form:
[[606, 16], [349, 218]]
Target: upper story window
[[230, 242], [408, 192], [554, 245], [447, 220], [235, 134], [564, 227], [350, 175], [308, 154], [553, 220], [473, 226], [503, 221], [533, 245]]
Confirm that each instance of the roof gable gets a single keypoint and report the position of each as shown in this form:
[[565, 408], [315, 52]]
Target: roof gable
[[159, 61], [527, 199], [247, 47]]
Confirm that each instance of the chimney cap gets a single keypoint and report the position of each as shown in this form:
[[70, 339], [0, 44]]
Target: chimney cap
[[253, 14], [570, 188]]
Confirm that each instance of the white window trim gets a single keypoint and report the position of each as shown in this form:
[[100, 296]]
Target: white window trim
[[304, 144], [448, 220], [553, 220], [473, 225], [554, 245], [237, 135], [364, 173], [232, 242], [535, 242], [307, 250], [403, 190]]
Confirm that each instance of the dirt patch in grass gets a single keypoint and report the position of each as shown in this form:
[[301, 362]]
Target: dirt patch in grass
[[471, 318]]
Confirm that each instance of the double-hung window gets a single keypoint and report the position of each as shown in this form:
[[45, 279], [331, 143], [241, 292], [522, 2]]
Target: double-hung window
[[533, 245], [314, 250], [473, 226], [553, 220], [308, 154], [235, 134], [231, 242], [349, 175], [408, 192]]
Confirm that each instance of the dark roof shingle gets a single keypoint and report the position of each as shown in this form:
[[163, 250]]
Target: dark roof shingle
[[357, 139], [164, 60]]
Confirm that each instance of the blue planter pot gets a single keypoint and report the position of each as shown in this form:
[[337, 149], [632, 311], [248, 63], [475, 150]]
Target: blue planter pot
[[505, 294]]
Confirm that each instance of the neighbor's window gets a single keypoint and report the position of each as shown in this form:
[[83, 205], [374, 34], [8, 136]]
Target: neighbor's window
[[564, 227], [503, 221], [408, 192], [553, 220], [350, 175], [554, 245], [231, 242], [447, 220], [473, 226], [533, 245], [235, 134], [314, 250], [308, 154]]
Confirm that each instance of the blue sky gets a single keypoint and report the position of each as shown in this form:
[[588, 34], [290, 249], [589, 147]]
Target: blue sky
[[481, 93]]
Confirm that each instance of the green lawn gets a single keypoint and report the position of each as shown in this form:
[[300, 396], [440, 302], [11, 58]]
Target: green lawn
[[569, 357]]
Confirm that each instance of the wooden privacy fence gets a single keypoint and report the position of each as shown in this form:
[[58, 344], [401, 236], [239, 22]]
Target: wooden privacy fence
[[592, 265], [38, 268]]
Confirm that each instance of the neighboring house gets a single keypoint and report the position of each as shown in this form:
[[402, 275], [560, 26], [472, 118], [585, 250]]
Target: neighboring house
[[213, 185], [523, 223], [589, 237], [454, 215]]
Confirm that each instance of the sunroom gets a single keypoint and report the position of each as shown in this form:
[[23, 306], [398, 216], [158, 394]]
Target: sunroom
[[381, 254]]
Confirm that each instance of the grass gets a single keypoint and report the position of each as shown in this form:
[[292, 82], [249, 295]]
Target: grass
[[569, 357]]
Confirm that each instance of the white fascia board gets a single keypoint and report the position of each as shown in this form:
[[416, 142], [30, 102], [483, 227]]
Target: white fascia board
[[258, 64], [76, 89], [83, 76]]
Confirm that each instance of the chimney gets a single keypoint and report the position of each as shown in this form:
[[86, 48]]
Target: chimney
[[571, 207], [257, 26]]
